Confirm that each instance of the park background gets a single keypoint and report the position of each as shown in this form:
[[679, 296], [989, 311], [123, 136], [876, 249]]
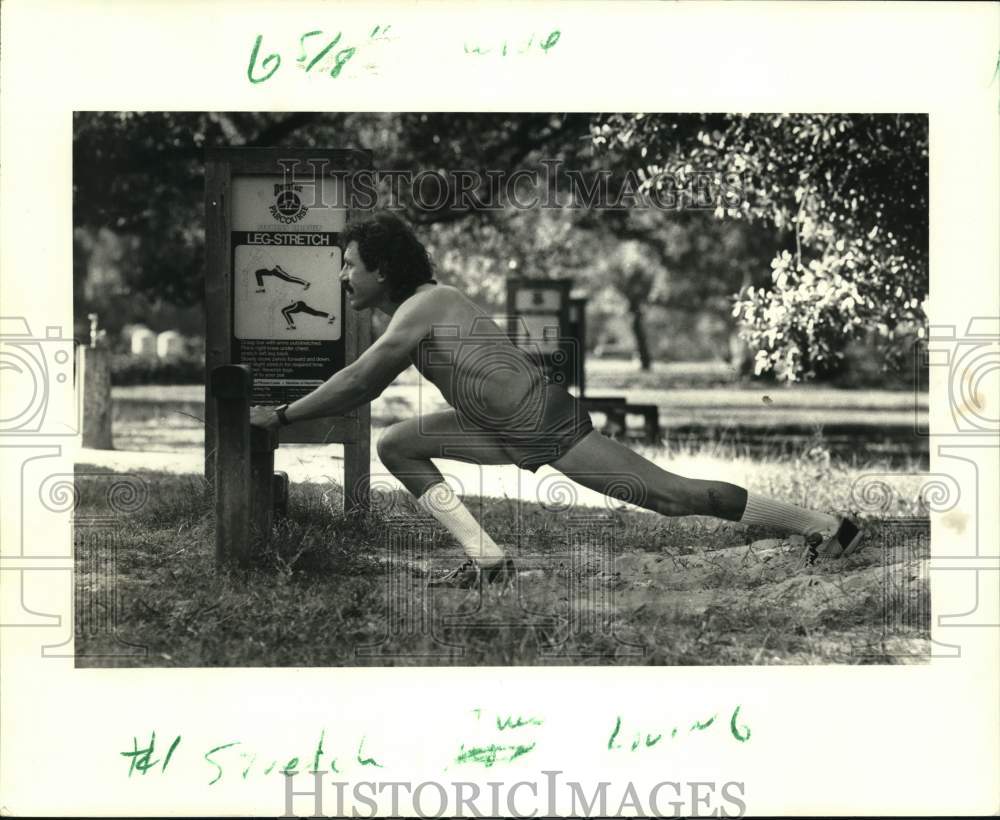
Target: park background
[[779, 334], [817, 276]]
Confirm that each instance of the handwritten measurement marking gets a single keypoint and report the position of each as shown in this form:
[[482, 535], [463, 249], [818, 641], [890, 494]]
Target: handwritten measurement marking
[[270, 64]]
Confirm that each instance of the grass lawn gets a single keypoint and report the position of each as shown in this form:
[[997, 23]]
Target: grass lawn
[[611, 586]]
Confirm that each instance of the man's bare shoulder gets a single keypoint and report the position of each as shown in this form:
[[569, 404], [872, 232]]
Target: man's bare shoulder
[[415, 317], [438, 302]]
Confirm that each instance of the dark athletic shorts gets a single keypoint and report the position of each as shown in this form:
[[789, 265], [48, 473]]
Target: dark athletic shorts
[[560, 424]]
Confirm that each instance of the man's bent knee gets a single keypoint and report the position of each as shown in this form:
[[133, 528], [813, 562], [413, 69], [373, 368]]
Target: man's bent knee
[[392, 443]]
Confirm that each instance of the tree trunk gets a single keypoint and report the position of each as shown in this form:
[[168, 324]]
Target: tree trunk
[[741, 357], [639, 331]]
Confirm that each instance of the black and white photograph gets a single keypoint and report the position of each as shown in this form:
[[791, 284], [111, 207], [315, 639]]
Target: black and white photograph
[[506, 389], [551, 409]]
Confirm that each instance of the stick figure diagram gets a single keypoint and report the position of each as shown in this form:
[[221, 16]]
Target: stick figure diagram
[[274, 288], [280, 273], [302, 307]]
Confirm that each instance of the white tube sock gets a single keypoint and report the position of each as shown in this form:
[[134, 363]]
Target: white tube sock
[[441, 502], [762, 510]]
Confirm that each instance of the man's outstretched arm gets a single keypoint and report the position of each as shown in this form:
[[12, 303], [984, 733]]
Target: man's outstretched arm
[[362, 380]]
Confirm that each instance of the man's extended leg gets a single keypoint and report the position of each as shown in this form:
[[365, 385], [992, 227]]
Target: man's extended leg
[[600, 464], [406, 449]]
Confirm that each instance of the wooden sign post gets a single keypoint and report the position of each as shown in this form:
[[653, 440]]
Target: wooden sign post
[[540, 320], [229, 386], [274, 302]]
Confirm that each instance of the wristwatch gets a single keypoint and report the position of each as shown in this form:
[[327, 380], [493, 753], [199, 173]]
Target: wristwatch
[[280, 413]]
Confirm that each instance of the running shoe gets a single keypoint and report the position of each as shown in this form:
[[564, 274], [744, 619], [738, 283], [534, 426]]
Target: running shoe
[[470, 575], [839, 544]]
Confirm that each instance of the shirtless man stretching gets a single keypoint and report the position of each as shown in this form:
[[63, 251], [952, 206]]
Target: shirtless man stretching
[[504, 410]]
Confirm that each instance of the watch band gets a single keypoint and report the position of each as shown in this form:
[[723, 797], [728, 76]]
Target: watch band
[[280, 412]]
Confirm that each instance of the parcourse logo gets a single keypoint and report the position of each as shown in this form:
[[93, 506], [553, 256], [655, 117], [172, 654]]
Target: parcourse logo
[[288, 207]]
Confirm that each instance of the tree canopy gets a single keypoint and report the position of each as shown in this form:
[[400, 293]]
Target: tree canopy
[[815, 223], [851, 190]]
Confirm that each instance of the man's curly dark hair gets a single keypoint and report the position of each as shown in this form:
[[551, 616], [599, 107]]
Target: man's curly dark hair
[[387, 244]]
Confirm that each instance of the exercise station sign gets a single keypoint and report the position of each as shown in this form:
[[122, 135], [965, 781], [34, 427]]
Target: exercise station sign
[[287, 295], [274, 222]]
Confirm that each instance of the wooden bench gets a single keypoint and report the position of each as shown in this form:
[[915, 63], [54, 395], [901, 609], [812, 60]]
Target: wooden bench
[[616, 408], [651, 420]]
